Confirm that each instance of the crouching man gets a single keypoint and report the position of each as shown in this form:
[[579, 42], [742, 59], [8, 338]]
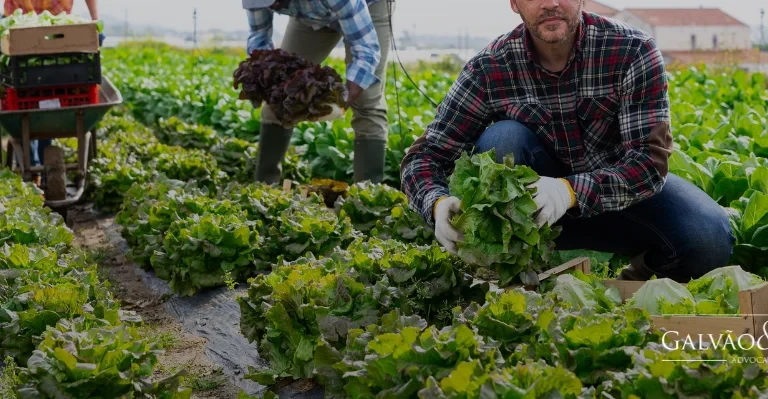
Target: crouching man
[[583, 101]]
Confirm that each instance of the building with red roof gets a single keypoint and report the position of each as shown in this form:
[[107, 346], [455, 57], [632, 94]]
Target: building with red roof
[[690, 29], [692, 35]]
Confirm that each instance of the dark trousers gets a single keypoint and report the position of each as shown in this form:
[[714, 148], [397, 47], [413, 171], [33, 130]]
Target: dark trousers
[[680, 233]]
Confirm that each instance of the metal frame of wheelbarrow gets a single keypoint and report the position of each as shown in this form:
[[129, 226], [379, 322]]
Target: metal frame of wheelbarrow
[[78, 121]]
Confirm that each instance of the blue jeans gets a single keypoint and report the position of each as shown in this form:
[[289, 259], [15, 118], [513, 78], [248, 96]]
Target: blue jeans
[[37, 149], [680, 233]]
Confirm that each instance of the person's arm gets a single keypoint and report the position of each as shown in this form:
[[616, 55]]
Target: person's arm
[[645, 133], [93, 8], [357, 27], [260, 22], [461, 118]]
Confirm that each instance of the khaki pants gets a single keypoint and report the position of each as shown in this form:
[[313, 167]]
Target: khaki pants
[[369, 119]]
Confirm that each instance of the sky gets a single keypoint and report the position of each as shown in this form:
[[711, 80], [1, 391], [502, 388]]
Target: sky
[[486, 18]]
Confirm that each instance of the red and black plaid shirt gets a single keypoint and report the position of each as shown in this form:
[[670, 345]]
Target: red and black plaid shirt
[[605, 116]]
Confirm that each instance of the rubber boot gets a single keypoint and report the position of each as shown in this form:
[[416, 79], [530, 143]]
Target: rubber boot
[[637, 270], [273, 144], [369, 160]]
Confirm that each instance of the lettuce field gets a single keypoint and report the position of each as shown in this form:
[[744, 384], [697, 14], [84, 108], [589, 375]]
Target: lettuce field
[[350, 294]]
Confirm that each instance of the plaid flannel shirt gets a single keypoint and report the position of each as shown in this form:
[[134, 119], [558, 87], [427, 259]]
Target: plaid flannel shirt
[[55, 7], [605, 117], [351, 17]]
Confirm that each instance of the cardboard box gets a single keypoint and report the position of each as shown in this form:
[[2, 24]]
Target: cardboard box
[[77, 38]]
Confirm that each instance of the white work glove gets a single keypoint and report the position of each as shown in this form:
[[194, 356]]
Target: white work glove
[[553, 198], [445, 233]]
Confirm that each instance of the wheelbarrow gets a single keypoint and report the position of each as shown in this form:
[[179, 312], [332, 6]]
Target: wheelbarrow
[[74, 121]]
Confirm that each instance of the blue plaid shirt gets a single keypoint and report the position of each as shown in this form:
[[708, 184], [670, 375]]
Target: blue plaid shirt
[[351, 17]]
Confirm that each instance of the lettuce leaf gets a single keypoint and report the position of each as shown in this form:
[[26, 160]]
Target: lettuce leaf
[[400, 365], [423, 280], [683, 372], [185, 165], [663, 297], [382, 211], [164, 204], [590, 344], [579, 291], [175, 132], [201, 250], [263, 71], [306, 228], [721, 287], [289, 310], [111, 178], [332, 364], [82, 360], [532, 379], [38, 303], [30, 225], [311, 94], [264, 203], [14, 189], [316, 303], [366, 203], [509, 317], [296, 89], [497, 217]]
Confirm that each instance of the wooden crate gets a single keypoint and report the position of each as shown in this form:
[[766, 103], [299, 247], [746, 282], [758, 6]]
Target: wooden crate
[[36, 40], [753, 314], [752, 318], [582, 264]]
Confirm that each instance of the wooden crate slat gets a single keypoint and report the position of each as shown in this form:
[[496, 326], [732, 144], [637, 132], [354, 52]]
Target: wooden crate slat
[[625, 288], [582, 264], [745, 302], [758, 307], [753, 309], [704, 325]]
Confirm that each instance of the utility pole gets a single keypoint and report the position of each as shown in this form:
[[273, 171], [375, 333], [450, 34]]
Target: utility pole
[[194, 23], [762, 27], [762, 41], [466, 40], [125, 25]]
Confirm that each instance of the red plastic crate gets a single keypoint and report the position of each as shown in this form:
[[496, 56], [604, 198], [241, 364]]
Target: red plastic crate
[[68, 96]]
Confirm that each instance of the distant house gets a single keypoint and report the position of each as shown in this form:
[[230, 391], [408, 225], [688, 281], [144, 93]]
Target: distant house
[[692, 35], [690, 29], [599, 8]]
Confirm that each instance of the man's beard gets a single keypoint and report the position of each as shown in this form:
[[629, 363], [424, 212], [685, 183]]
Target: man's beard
[[535, 28]]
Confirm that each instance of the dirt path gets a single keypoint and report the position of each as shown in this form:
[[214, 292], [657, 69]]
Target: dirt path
[[183, 350]]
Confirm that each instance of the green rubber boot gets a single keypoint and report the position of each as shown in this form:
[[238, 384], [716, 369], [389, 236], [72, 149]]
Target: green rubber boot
[[369, 160], [273, 144]]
